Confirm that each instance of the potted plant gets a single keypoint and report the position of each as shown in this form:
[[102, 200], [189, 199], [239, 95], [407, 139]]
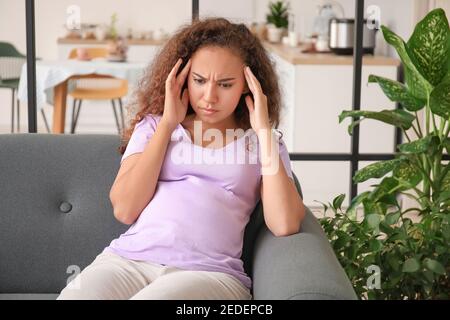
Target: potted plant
[[407, 250], [116, 46], [277, 20]]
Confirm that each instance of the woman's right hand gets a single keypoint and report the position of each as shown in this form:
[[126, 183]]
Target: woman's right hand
[[175, 108]]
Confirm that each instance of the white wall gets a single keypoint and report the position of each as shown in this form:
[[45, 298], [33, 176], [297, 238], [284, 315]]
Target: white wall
[[152, 14], [144, 15], [51, 17]]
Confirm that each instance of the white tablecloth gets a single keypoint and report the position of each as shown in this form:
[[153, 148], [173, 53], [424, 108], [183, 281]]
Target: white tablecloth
[[51, 73]]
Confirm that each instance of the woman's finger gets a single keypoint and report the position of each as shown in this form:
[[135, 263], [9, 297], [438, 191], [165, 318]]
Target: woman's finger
[[185, 97], [250, 105], [249, 82], [174, 70], [183, 74], [253, 79]]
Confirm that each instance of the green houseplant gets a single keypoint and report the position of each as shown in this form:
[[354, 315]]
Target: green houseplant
[[277, 20], [407, 250]]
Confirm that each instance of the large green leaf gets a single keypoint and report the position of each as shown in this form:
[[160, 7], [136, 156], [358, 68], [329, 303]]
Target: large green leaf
[[399, 118], [440, 99], [428, 144], [376, 170], [397, 92], [429, 46], [417, 84], [407, 174]]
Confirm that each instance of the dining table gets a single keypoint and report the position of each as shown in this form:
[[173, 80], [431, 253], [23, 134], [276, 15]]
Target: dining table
[[53, 81]]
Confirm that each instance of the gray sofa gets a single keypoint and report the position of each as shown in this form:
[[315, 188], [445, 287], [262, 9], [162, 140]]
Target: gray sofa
[[55, 217]]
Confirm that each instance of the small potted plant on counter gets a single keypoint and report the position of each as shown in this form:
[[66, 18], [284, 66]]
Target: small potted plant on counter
[[117, 46], [277, 20]]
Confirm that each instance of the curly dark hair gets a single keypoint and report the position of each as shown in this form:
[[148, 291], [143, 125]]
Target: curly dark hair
[[149, 95]]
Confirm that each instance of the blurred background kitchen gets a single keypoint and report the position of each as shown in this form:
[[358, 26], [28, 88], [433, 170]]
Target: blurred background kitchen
[[116, 38]]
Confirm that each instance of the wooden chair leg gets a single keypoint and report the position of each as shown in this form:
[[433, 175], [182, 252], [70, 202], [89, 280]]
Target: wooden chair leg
[[72, 122], [18, 115], [77, 114], [45, 120], [12, 112], [115, 115]]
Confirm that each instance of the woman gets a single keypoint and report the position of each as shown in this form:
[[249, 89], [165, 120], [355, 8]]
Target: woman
[[188, 201]]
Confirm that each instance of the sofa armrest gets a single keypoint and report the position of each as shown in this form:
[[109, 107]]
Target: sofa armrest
[[300, 266]]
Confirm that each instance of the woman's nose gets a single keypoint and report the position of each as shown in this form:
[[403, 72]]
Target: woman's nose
[[210, 93]]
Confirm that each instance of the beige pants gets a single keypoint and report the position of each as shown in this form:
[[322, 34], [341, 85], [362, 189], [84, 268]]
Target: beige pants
[[111, 276]]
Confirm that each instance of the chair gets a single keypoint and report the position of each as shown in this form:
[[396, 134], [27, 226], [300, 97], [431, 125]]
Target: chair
[[56, 217], [11, 62], [97, 87]]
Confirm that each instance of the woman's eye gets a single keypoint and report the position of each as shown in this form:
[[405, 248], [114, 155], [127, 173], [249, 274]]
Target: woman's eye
[[198, 80], [224, 85]]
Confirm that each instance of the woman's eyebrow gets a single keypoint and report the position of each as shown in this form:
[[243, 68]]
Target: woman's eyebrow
[[220, 80]]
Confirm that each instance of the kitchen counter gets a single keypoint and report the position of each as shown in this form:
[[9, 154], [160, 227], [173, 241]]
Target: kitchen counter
[[294, 55], [75, 41]]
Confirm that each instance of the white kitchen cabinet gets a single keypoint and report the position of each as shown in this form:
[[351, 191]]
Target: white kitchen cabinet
[[313, 96]]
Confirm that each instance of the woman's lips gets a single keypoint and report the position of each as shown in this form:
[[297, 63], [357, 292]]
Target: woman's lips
[[208, 111]]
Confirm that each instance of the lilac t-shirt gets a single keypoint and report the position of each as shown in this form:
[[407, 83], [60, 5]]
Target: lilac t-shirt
[[202, 203]]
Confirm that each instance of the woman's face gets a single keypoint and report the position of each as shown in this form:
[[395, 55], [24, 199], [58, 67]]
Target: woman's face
[[215, 82]]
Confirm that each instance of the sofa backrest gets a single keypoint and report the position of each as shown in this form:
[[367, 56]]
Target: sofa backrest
[[55, 212]]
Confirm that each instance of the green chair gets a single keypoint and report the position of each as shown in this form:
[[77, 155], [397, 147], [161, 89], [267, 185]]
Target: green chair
[[11, 62]]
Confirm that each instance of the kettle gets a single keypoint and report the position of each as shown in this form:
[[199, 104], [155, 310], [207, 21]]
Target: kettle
[[341, 36], [321, 23]]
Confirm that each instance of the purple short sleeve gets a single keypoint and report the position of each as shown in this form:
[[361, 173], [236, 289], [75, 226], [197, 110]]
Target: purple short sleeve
[[142, 133]]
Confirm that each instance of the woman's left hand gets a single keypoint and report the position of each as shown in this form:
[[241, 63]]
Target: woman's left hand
[[258, 110]]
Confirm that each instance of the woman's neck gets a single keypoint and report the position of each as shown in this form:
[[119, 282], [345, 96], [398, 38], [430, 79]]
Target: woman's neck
[[229, 123]]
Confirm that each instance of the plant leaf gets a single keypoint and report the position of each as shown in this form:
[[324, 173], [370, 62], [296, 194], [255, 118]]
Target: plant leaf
[[445, 184], [434, 266], [407, 174], [399, 118], [385, 190], [411, 265], [429, 46], [355, 202], [397, 92], [376, 170], [418, 86], [375, 245], [440, 99], [430, 142], [446, 144], [373, 220], [337, 202], [352, 125], [392, 218]]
